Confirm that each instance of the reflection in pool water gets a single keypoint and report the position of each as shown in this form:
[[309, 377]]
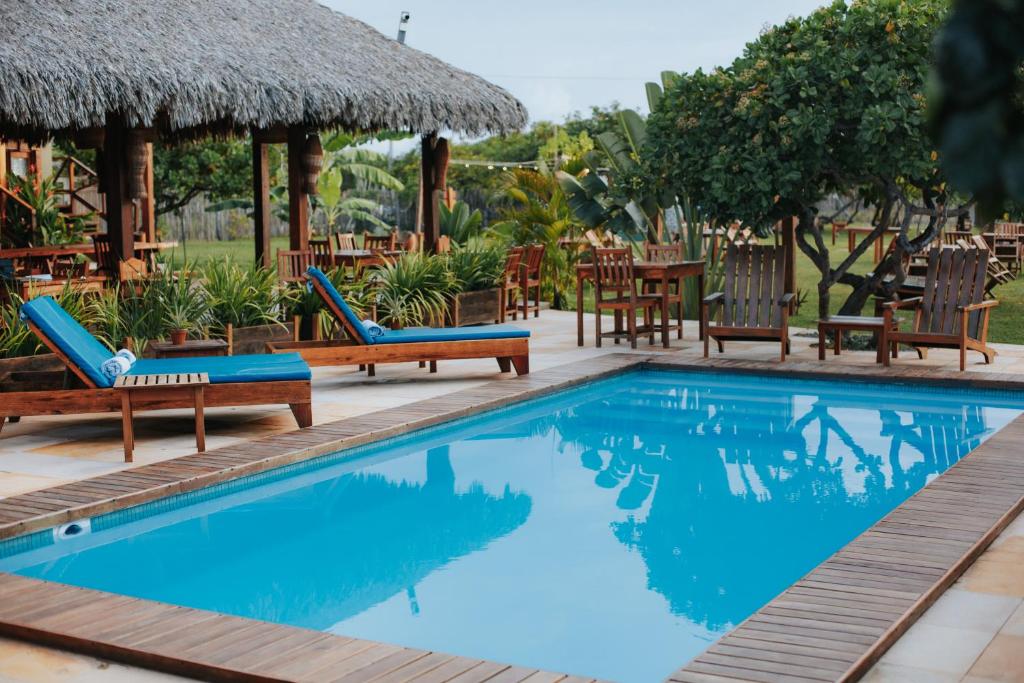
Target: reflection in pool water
[[612, 531]]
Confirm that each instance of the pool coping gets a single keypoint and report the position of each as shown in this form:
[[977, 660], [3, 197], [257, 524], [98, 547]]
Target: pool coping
[[832, 624]]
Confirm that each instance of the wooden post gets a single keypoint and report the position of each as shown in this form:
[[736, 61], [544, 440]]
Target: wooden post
[[261, 201], [434, 174], [298, 200], [428, 207], [120, 209], [149, 205]]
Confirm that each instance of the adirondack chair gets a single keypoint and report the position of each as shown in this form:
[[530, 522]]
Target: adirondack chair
[[753, 305], [997, 273], [952, 313]]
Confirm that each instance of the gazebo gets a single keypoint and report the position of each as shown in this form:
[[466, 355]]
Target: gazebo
[[115, 75]]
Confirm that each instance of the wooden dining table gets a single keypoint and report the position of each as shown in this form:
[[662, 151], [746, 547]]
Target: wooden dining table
[[853, 230], [363, 257], [664, 273]]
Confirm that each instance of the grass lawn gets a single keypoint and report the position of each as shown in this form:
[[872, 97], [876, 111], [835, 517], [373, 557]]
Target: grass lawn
[[1005, 324]]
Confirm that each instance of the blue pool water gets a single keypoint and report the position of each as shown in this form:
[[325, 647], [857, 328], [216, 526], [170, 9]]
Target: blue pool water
[[613, 530]]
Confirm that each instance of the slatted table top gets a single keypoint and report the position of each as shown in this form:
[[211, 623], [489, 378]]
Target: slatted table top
[[175, 379]]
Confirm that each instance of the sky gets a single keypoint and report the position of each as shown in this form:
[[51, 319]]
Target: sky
[[561, 56]]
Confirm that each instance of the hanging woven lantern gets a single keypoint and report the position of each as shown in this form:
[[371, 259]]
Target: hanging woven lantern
[[311, 162]]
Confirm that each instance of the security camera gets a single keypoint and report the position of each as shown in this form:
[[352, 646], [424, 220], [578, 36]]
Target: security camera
[[403, 25]]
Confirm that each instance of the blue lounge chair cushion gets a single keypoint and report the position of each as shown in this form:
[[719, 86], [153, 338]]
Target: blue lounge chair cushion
[[255, 368], [410, 335], [70, 337], [88, 354], [350, 316]]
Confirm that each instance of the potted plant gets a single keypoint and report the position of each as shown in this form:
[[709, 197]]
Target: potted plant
[[478, 269], [182, 303], [414, 290]]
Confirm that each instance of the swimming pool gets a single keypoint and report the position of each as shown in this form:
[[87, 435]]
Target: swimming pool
[[613, 530]]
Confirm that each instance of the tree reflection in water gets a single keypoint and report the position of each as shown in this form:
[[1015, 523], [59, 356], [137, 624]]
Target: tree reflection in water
[[720, 498]]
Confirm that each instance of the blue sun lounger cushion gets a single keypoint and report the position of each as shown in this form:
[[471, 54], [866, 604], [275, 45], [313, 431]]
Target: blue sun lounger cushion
[[410, 335], [88, 354], [70, 337], [350, 316]]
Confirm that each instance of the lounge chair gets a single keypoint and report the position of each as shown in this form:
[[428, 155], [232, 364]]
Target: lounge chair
[[234, 380], [952, 312], [753, 305], [509, 345]]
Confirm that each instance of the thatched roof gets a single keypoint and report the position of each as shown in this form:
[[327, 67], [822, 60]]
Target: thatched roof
[[191, 66]]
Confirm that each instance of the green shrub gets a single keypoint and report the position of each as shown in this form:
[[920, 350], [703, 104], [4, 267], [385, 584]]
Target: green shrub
[[243, 297], [477, 266], [414, 290]]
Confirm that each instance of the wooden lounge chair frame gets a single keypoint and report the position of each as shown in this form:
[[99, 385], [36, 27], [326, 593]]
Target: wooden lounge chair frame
[[513, 352], [95, 399], [952, 313], [753, 305]]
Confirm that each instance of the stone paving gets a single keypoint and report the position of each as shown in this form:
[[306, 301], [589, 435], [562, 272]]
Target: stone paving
[[975, 632]]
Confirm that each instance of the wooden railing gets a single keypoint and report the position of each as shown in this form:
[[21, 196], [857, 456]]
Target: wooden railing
[[75, 169]]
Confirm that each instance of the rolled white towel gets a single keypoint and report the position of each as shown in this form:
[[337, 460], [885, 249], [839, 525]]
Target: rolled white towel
[[373, 329], [115, 366], [128, 355]]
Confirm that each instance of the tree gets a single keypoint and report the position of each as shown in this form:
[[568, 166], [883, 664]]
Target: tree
[[219, 169], [977, 112], [834, 102]]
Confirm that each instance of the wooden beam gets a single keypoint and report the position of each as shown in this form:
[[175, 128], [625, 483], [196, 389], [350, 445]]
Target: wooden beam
[[261, 201], [298, 200], [433, 172], [120, 210], [149, 204]]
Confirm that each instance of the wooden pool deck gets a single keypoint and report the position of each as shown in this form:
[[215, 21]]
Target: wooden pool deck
[[832, 625]]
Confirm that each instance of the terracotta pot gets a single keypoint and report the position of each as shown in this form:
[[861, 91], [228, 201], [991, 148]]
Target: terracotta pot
[[178, 337]]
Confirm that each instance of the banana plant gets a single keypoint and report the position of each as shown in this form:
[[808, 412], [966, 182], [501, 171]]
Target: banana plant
[[617, 206]]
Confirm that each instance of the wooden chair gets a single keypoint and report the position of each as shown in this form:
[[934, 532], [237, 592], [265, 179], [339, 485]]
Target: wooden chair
[[952, 313], [344, 241], [838, 227], [510, 284], [666, 253], [613, 274], [67, 268], [997, 273], [379, 242], [323, 253], [292, 264], [1006, 244], [753, 305], [529, 278], [103, 254]]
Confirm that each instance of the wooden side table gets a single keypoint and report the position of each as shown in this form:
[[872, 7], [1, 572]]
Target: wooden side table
[[191, 348], [155, 388], [838, 324]]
